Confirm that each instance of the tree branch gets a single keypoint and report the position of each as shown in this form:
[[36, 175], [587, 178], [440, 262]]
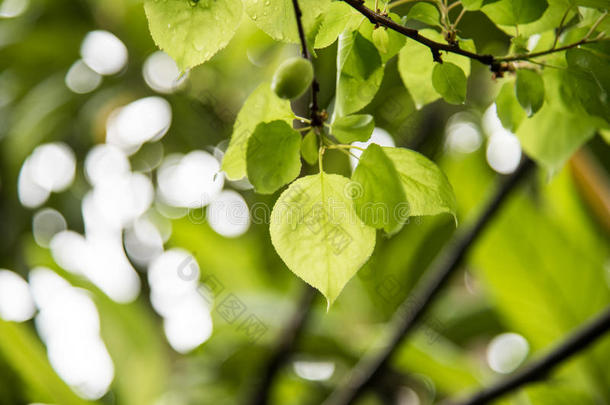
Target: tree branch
[[379, 19], [497, 64], [427, 288], [316, 117], [283, 347], [539, 369]]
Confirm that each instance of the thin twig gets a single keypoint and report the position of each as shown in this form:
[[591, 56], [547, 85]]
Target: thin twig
[[539, 369], [427, 288], [316, 118], [283, 347], [528, 56]]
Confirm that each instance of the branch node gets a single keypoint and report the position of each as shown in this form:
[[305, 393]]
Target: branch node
[[436, 55]]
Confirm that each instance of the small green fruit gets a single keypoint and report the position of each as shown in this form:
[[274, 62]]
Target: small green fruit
[[292, 78]]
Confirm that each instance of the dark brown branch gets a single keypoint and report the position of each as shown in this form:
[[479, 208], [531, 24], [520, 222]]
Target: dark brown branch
[[539, 369], [497, 64], [316, 117], [427, 288], [283, 347]]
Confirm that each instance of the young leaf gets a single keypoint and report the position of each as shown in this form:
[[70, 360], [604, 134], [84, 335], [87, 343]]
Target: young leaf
[[263, 105], [338, 17], [190, 32], [529, 89], [509, 110], [449, 81], [553, 135], [425, 12], [379, 198], [513, 12], [359, 73], [415, 66], [427, 188], [588, 79], [309, 148], [381, 40], [472, 4], [317, 233], [276, 17], [352, 128], [273, 156], [395, 41]]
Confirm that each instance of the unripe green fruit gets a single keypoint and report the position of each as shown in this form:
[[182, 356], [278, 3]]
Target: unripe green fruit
[[292, 78]]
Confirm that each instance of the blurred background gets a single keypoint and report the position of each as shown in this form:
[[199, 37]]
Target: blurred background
[[134, 273]]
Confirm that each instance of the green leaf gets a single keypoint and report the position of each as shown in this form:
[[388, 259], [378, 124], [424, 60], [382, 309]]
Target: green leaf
[[352, 128], [513, 12], [529, 89], [315, 230], [415, 66], [508, 108], [553, 135], [550, 19], [379, 198], [337, 18], [427, 189], [263, 105], [425, 12], [359, 73], [602, 4], [605, 134], [309, 147], [472, 4], [381, 40], [588, 79], [450, 82], [273, 156], [395, 41], [190, 32], [277, 18]]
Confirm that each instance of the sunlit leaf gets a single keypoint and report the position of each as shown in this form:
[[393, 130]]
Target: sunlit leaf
[[273, 156], [449, 81], [352, 128], [263, 105], [529, 89], [359, 73], [315, 230], [511, 12], [309, 147], [427, 189], [509, 110], [192, 32], [379, 197], [425, 12], [277, 18], [415, 65]]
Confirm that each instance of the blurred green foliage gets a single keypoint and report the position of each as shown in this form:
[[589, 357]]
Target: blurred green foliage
[[540, 270]]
